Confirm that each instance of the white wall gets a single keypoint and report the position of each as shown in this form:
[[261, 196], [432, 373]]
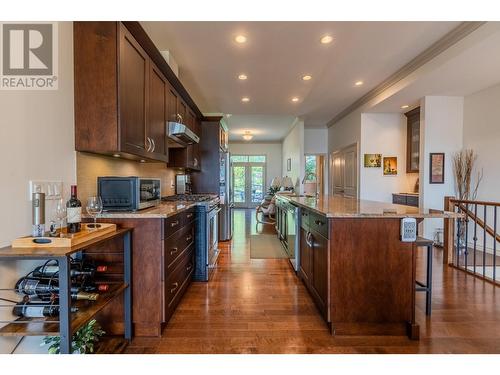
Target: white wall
[[293, 148], [316, 142], [441, 130], [271, 150], [482, 134], [36, 142], [345, 132], [384, 133]]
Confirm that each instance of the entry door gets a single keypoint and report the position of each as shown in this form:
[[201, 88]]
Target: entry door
[[345, 172], [248, 180]]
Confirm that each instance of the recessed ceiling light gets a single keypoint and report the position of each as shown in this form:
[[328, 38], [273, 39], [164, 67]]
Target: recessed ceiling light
[[240, 39], [405, 106], [358, 83], [242, 77], [228, 115], [326, 39], [248, 135], [295, 99], [307, 77], [116, 155], [245, 99]]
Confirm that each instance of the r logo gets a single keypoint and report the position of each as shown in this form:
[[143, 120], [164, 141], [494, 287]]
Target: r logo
[[27, 49]]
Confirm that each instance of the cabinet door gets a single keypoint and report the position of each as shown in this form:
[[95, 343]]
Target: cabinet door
[[172, 98], [305, 257], [157, 113], [134, 92], [320, 267], [413, 140], [182, 110]]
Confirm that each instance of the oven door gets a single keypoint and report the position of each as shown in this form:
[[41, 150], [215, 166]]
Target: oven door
[[213, 236]]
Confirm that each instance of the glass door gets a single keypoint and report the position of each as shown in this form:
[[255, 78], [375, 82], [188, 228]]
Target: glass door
[[248, 180]]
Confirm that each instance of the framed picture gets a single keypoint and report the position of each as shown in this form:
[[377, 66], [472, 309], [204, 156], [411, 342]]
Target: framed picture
[[373, 160], [390, 166], [436, 168], [288, 164]]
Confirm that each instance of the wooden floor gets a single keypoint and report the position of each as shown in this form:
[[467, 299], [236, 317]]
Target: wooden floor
[[259, 306]]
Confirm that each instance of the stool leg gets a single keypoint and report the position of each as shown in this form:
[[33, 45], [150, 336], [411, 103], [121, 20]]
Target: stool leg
[[428, 302]]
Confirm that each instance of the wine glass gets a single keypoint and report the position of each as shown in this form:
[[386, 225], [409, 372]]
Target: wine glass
[[60, 213], [94, 207]]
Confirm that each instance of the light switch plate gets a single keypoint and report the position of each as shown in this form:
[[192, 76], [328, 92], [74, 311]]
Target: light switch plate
[[52, 189], [408, 229]]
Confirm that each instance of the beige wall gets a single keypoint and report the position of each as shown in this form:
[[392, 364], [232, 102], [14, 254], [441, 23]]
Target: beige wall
[[90, 166], [36, 143], [293, 148]]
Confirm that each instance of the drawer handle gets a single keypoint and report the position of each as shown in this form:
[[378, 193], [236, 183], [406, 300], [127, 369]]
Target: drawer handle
[[309, 239], [189, 238], [188, 268], [175, 286], [173, 250], [174, 223], [319, 222], [189, 216]]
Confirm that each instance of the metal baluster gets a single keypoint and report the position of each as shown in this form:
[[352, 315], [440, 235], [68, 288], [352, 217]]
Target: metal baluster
[[494, 243], [484, 242], [475, 235], [466, 252], [458, 240]]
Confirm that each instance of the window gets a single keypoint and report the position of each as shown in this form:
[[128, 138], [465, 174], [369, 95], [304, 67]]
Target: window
[[257, 158], [239, 158], [311, 167], [248, 158]]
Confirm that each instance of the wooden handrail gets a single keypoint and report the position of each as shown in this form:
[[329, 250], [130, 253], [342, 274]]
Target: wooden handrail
[[481, 203], [481, 223]]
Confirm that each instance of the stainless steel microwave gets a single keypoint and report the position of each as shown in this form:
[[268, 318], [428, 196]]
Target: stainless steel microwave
[[128, 193]]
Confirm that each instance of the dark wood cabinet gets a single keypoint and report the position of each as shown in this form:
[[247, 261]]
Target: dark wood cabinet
[[320, 269], [405, 199], [157, 118], [413, 140], [305, 256]]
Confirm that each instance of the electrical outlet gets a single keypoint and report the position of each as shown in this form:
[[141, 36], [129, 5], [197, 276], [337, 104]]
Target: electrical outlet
[[52, 189]]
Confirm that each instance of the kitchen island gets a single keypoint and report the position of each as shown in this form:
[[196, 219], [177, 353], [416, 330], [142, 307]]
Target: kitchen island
[[357, 270]]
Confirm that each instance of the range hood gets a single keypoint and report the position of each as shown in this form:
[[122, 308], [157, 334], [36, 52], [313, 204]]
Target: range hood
[[180, 135]]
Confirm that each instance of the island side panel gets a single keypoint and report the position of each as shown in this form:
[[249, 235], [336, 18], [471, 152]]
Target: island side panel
[[372, 278]]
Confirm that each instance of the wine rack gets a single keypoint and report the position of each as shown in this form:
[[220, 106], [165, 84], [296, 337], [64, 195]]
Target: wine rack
[[67, 323]]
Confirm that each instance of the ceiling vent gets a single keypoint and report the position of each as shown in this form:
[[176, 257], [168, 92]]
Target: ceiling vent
[[167, 55]]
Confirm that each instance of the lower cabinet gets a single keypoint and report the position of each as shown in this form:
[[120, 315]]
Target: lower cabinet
[[314, 248]]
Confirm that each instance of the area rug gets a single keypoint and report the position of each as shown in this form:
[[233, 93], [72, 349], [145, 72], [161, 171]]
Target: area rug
[[266, 246]]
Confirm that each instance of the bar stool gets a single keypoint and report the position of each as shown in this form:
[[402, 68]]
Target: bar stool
[[427, 286]]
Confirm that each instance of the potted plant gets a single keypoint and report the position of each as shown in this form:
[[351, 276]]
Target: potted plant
[[83, 340]]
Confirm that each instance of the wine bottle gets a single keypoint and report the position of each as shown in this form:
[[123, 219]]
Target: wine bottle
[[74, 212], [37, 309], [46, 289], [77, 269]]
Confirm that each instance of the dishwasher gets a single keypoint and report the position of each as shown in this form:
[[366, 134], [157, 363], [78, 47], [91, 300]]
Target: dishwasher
[[292, 234]]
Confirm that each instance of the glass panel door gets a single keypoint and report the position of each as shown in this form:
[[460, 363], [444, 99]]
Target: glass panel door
[[257, 184], [239, 185]]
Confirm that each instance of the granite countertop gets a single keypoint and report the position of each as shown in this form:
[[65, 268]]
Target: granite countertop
[[164, 210], [336, 206]]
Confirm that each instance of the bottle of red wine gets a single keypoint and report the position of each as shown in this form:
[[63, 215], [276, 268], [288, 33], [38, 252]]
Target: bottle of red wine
[[37, 309], [77, 269], [74, 211], [45, 289]]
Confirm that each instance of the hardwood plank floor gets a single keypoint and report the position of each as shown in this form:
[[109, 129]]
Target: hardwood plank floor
[[260, 306]]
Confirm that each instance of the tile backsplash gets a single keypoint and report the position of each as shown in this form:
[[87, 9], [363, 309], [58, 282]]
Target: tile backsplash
[[91, 166]]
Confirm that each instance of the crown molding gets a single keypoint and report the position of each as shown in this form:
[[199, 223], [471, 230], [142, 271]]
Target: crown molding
[[454, 36]]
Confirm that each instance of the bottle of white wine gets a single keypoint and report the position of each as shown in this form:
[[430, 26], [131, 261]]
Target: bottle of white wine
[[74, 211]]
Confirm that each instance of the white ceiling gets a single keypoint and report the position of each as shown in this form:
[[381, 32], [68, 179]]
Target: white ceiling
[[265, 128], [276, 56]]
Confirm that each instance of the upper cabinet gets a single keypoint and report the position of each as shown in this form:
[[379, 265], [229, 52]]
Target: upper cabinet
[[413, 140], [125, 93]]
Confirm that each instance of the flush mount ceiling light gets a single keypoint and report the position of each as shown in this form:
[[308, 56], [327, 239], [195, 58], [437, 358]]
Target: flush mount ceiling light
[[116, 155], [405, 106], [245, 99], [248, 135], [358, 83], [240, 39], [307, 77], [295, 99], [242, 77], [326, 39]]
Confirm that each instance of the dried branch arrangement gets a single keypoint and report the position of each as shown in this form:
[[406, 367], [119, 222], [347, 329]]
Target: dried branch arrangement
[[463, 165]]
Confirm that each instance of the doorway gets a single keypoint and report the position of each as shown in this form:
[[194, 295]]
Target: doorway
[[315, 170], [344, 171], [248, 174]]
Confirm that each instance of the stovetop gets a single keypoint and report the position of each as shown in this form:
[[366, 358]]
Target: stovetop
[[189, 197]]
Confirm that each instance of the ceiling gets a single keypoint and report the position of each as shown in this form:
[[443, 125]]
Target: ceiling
[[276, 56]]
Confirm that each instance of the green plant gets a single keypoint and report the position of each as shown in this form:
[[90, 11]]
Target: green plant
[[83, 340], [273, 190]]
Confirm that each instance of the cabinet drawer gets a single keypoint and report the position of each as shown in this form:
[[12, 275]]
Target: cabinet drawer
[[176, 244], [173, 223], [412, 201], [178, 277], [304, 219], [319, 224]]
